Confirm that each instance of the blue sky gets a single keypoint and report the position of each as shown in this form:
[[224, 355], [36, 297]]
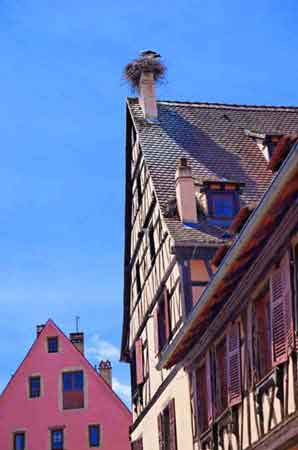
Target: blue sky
[[62, 141]]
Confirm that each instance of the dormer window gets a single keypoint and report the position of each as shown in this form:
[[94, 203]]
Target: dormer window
[[222, 201], [222, 205], [266, 142]]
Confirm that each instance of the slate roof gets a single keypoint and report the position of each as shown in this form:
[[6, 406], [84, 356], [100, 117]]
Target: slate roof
[[212, 137]]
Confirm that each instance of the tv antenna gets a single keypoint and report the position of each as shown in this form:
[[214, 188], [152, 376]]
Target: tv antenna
[[77, 323]]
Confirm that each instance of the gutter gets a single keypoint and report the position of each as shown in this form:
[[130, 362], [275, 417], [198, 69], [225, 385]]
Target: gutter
[[286, 172]]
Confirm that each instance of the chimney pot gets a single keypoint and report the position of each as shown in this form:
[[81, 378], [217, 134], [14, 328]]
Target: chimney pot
[[105, 371], [39, 329], [77, 339]]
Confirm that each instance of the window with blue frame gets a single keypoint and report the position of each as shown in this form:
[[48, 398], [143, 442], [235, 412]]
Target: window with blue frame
[[222, 206], [57, 439], [53, 344], [19, 441], [73, 389], [34, 387], [94, 435]]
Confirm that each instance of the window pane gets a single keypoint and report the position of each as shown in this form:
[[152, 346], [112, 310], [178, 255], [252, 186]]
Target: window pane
[[223, 205], [53, 344], [73, 390], [78, 382], [94, 436], [34, 387], [19, 441], [67, 381], [57, 440]]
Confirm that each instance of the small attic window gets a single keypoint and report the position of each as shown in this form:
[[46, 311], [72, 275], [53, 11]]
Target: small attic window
[[266, 142], [222, 205], [222, 202], [269, 145]]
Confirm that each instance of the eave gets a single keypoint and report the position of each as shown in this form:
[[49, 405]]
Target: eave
[[239, 253]]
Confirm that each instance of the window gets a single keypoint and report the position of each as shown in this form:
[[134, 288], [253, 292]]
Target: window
[[167, 427], [221, 376], [57, 439], [19, 441], [53, 344], [139, 190], [222, 205], [138, 278], [162, 325], [73, 390], [94, 435], [34, 387], [261, 335], [151, 243], [204, 394]]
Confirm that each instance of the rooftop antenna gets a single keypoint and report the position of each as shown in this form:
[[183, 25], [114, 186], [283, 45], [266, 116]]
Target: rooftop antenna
[[77, 323]]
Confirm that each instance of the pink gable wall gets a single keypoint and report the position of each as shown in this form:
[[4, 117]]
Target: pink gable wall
[[36, 416]]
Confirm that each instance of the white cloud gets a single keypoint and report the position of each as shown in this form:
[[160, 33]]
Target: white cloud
[[122, 389], [100, 349]]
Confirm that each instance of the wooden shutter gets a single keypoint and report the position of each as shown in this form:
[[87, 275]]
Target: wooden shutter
[[172, 423], [201, 398], [160, 431], [209, 389], [194, 403], [156, 330], [221, 377], [167, 315], [281, 311], [139, 361], [234, 365]]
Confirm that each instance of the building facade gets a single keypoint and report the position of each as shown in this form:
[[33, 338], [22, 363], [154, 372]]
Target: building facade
[[56, 400], [210, 272]]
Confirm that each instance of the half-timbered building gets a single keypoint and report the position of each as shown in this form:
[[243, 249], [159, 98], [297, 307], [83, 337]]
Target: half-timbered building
[[210, 273]]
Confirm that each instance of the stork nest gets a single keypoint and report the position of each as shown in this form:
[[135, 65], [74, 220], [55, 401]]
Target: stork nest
[[134, 69]]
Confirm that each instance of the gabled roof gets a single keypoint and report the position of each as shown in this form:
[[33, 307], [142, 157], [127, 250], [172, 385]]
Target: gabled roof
[[47, 330], [214, 139], [219, 142]]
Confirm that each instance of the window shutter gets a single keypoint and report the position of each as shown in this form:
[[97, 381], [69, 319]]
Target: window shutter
[[156, 330], [167, 315], [160, 431], [234, 366], [139, 361], [209, 390], [172, 422], [201, 398], [281, 311]]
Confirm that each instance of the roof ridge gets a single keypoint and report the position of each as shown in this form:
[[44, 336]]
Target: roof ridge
[[223, 105]]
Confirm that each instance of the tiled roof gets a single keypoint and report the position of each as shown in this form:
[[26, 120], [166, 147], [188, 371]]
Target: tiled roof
[[212, 137]]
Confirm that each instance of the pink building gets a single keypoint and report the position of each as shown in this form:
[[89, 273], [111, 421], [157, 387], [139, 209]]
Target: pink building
[[57, 401]]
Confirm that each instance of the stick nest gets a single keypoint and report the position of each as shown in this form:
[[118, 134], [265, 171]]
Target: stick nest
[[134, 69]]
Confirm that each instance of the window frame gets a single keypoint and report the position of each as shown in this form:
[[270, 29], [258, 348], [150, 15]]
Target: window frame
[[53, 339], [55, 430], [31, 378], [263, 298], [98, 427], [233, 195], [72, 373], [15, 434]]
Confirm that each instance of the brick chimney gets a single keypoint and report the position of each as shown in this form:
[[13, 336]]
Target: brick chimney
[[185, 192], [39, 329], [77, 339], [105, 370], [147, 95]]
